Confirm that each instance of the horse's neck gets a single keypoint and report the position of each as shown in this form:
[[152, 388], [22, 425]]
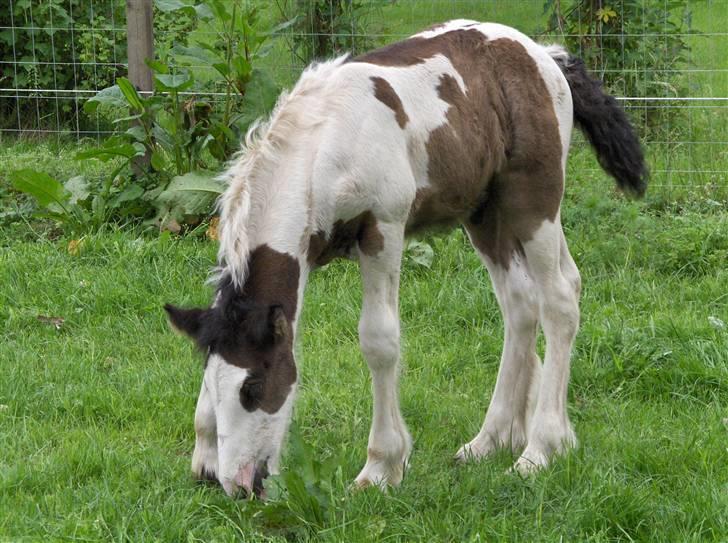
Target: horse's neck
[[277, 266]]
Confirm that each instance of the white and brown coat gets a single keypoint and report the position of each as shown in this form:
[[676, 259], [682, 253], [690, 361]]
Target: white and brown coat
[[466, 123]]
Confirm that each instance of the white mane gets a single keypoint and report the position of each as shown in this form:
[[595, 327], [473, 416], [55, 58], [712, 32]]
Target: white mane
[[291, 115]]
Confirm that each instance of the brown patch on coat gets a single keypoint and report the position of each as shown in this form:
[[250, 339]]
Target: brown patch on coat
[[360, 231], [384, 92], [404, 53], [252, 328], [528, 189], [496, 164], [272, 282]]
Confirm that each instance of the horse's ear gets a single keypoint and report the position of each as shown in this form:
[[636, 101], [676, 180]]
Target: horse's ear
[[278, 323], [187, 321], [265, 326]]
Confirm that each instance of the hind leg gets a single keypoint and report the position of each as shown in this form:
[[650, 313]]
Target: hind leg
[[507, 419], [557, 286]]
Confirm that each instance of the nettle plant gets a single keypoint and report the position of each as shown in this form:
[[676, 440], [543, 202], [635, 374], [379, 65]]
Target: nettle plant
[[171, 143]]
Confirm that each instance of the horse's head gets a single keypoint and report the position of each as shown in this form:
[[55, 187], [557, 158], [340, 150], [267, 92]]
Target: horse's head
[[247, 392]]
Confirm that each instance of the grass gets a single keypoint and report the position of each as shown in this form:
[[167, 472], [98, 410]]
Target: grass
[[96, 416]]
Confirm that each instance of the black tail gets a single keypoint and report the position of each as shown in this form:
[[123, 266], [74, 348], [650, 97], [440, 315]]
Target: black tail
[[606, 125]]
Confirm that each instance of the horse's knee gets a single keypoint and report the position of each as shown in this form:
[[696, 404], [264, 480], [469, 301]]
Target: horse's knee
[[379, 338]]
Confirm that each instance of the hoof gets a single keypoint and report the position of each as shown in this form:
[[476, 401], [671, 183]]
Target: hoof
[[474, 451], [381, 471], [530, 462]]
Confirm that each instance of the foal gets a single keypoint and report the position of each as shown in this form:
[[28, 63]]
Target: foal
[[465, 123]]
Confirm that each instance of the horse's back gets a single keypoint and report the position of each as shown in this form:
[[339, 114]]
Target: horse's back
[[461, 103]]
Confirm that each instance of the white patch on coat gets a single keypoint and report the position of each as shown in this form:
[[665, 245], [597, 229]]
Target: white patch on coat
[[515, 395], [550, 431], [365, 160], [243, 437]]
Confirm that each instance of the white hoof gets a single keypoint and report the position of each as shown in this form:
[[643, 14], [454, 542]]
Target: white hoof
[[477, 449], [539, 452], [380, 475], [530, 462], [508, 435], [204, 461], [382, 469]]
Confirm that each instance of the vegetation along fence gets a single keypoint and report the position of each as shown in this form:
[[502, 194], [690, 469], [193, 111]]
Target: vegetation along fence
[[219, 64]]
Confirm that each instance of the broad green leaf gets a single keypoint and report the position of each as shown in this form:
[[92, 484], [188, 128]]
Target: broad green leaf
[[420, 252], [130, 193], [242, 66], [260, 96], [41, 186], [137, 132], [286, 24], [130, 93], [222, 68], [113, 147], [78, 188], [198, 53], [157, 66], [167, 6], [197, 181], [110, 95], [174, 82], [193, 193], [219, 10], [204, 12]]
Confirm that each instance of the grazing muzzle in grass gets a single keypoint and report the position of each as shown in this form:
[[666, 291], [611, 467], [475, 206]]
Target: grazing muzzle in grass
[[246, 399]]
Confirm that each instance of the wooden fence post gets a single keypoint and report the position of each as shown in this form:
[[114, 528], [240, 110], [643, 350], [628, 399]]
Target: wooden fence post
[[140, 47], [140, 42]]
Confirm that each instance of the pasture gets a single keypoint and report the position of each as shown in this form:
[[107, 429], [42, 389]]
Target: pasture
[[96, 417], [98, 395]]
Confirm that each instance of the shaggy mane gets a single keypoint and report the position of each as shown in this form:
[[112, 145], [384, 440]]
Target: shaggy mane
[[259, 153]]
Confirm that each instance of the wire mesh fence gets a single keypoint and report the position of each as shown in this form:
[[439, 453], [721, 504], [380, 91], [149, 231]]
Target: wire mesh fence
[[671, 73]]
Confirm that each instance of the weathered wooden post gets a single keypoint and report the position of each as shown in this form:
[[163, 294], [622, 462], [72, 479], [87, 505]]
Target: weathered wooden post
[[140, 47], [140, 42]]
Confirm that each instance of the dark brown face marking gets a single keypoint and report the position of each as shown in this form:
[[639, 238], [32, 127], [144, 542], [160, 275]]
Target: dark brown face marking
[[253, 328], [384, 92], [273, 280], [496, 164], [361, 230]]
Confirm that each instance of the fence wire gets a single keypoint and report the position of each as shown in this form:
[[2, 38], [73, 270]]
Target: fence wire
[[55, 54]]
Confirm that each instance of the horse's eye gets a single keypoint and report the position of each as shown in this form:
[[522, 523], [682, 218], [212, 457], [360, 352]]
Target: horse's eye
[[251, 393]]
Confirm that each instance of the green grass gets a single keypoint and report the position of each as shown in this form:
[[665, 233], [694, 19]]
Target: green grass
[[96, 418]]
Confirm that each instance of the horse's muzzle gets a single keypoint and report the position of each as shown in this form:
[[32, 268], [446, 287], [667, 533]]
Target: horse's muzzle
[[248, 480]]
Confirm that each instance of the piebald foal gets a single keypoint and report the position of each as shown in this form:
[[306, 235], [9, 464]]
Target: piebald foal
[[464, 123]]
